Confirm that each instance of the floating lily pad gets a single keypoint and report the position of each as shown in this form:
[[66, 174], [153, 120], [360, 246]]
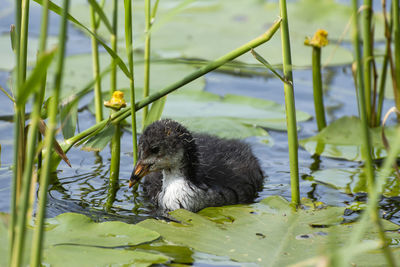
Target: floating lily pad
[[231, 116], [269, 233], [67, 255], [204, 108], [223, 127], [73, 239], [342, 139], [210, 29], [352, 181]]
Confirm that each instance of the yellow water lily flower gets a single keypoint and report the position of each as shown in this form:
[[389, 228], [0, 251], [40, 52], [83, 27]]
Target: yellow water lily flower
[[117, 101], [319, 39]]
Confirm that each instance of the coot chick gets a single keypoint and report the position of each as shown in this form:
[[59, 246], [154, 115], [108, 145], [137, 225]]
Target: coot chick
[[194, 171]]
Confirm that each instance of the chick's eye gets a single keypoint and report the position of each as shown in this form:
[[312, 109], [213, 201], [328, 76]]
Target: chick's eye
[[155, 149]]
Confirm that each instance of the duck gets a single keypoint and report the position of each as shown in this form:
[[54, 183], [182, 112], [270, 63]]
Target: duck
[[192, 171]]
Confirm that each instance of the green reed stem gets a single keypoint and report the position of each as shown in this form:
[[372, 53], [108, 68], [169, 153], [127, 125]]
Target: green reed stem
[[42, 48], [146, 58], [49, 140], [17, 121], [37, 235], [366, 149], [114, 47], [290, 106], [381, 94], [29, 162], [367, 56], [23, 47], [114, 166], [19, 117], [116, 139], [24, 38], [129, 50], [396, 37], [155, 8], [96, 68], [317, 88]]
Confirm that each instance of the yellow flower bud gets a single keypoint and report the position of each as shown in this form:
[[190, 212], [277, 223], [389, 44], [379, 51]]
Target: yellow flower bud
[[117, 101], [319, 39]]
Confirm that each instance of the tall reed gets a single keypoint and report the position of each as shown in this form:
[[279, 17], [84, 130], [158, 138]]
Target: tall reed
[[114, 47], [396, 40], [49, 140], [116, 103], [38, 232], [290, 105], [386, 59], [20, 36], [17, 172], [366, 148], [146, 84], [367, 56], [116, 139], [114, 166], [317, 42], [129, 50], [96, 68]]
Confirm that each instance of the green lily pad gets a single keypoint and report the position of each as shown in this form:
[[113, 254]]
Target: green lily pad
[[210, 29], [67, 255], [342, 139], [231, 116], [73, 239], [353, 180], [223, 127], [208, 105], [269, 233], [80, 229]]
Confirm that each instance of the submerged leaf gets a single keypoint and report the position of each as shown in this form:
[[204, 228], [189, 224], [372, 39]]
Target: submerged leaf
[[100, 140], [69, 118]]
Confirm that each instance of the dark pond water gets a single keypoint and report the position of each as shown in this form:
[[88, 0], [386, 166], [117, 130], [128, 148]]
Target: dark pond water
[[83, 188]]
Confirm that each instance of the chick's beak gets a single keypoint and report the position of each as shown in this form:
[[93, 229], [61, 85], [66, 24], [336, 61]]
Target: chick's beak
[[140, 170]]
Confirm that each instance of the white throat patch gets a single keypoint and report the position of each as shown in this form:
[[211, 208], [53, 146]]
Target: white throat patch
[[179, 193], [176, 192]]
